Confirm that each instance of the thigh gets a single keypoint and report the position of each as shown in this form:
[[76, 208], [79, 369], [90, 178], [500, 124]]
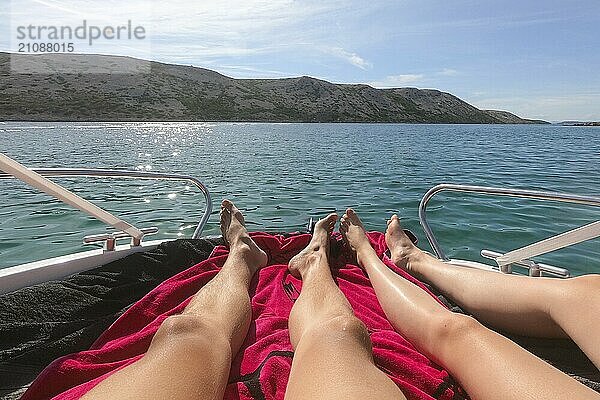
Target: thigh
[[176, 366], [490, 366], [575, 308], [338, 365]]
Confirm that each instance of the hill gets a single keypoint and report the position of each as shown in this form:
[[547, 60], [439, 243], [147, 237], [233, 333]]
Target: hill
[[509, 118], [165, 92]]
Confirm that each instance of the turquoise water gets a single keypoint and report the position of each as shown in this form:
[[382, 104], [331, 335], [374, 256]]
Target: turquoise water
[[282, 174]]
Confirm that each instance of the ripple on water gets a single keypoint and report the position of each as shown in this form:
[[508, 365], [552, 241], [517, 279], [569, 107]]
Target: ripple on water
[[282, 174]]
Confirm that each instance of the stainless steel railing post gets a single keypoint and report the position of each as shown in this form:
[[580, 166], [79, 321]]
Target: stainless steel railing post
[[115, 173], [521, 193]]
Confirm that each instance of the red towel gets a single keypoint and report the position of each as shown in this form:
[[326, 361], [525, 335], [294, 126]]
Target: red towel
[[261, 368]]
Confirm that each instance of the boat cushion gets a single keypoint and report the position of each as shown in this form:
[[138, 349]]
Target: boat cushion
[[41, 323], [261, 368]]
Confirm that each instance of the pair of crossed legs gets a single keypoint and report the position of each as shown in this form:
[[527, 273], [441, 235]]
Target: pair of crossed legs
[[190, 355]]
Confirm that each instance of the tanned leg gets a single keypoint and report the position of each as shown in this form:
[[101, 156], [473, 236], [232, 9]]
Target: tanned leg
[[539, 307], [190, 354], [486, 364], [333, 356]]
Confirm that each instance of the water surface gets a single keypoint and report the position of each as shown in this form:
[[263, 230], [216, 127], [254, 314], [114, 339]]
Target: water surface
[[282, 174]]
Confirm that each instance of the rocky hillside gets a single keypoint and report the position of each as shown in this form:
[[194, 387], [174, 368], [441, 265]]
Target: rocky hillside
[[508, 118], [165, 92]]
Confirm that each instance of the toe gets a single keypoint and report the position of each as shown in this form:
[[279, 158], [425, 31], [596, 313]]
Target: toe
[[353, 217], [328, 222], [391, 219], [226, 204], [343, 226], [223, 214]]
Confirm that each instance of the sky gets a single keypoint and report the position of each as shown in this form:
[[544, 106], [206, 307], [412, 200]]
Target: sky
[[538, 59]]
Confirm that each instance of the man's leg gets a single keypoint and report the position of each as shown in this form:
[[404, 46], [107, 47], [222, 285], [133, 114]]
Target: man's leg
[[333, 356], [486, 364], [539, 307], [190, 354]]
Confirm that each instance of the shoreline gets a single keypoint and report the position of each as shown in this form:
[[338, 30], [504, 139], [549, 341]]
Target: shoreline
[[267, 122]]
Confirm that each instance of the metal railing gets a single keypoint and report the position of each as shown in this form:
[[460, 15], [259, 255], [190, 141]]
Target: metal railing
[[116, 173], [521, 193], [534, 268]]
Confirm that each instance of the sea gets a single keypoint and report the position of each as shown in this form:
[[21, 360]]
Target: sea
[[281, 175]]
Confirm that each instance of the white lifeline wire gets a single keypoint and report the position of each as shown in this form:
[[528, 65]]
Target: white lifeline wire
[[569, 238], [36, 180]]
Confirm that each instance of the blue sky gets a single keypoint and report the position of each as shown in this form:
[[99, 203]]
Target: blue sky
[[539, 59]]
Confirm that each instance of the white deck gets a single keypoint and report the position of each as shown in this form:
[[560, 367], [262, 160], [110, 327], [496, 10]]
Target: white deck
[[50, 269]]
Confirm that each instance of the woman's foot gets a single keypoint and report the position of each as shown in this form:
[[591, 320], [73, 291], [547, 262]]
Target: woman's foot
[[403, 252], [237, 238], [318, 247], [354, 234]]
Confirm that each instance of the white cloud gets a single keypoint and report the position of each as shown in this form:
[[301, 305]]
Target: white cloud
[[392, 81], [493, 22], [448, 72], [403, 80], [248, 26], [350, 57], [248, 72], [203, 31], [55, 5]]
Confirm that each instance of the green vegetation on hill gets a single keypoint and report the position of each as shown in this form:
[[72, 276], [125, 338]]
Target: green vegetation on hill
[[184, 93]]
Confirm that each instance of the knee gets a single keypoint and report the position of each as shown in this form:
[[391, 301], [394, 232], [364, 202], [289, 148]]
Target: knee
[[591, 281], [450, 328], [342, 328], [584, 288], [189, 333]]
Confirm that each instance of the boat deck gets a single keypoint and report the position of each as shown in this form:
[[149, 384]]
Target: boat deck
[[46, 321]]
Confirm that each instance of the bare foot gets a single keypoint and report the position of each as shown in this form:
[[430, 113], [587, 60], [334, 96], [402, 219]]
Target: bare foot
[[403, 252], [316, 249], [354, 234], [237, 238]]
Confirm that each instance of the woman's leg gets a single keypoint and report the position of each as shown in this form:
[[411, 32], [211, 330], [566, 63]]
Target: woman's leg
[[333, 357], [190, 354], [540, 307], [486, 364]]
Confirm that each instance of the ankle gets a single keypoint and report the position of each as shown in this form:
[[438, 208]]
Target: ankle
[[363, 246], [418, 262], [316, 269], [238, 246], [364, 252], [410, 258]]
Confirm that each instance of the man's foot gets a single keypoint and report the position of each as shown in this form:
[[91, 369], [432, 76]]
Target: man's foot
[[237, 238], [316, 249], [354, 234], [403, 252]]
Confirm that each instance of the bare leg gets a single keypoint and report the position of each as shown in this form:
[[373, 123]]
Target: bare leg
[[540, 307], [486, 364], [333, 357], [190, 354]]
